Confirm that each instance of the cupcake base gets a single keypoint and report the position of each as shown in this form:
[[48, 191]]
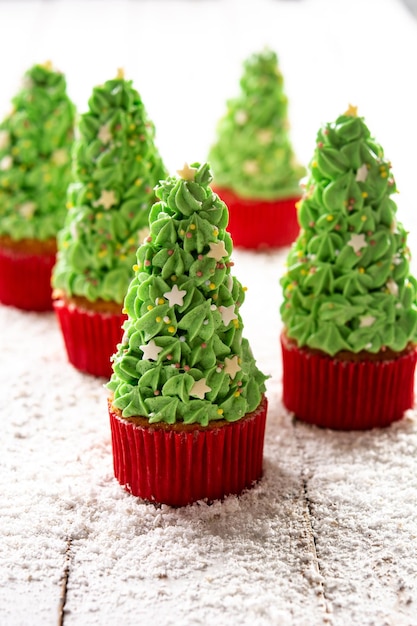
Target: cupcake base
[[90, 334], [346, 394], [25, 273], [180, 464], [260, 224]]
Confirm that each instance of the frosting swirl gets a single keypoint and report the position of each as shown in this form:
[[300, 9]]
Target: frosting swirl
[[348, 285], [116, 167], [36, 139], [253, 154], [183, 357]]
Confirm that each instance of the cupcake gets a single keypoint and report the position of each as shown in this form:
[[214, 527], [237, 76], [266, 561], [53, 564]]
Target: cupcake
[[116, 166], [35, 167], [254, 167], [187, 405], [349, 308]]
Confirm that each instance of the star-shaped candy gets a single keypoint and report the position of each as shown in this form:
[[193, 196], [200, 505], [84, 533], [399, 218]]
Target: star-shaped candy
[[362, 173], [199, 389], [366, 320], [104, 133], [217, 250], [150, 351], [107, 199], [352, 111], [228, 314], [187, 172], [175, 296], [231, 366], [392, 287], [357, 242]]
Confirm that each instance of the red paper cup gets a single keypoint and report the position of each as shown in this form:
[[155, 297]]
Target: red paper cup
[[346, 395], [178, 466], [90, 337], [259, 224], [25, 279]]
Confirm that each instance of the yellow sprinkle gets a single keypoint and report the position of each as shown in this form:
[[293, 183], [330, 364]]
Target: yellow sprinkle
[[244, 288], [161, 301], [220, 411], [330, 218], [192, 227], [132, 127], [89, 195], [138, 182], [215, 232], [158, 319], [135, 267], [236, 394], [364, 194], [149, 307], [102, 253], [99, 215], [298, 204], [384, 174], [124, 310], [314, 164], [212, 286], [235, 323], [363, 218], [290, 287], [303, 273], [361, 270], [173, 278], [69, 205], [171, 329]]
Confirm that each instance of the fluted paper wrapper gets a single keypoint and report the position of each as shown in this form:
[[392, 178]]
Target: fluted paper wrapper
[[178, 467], [259, 224], [346, 395], [90, 337], [25, 279]]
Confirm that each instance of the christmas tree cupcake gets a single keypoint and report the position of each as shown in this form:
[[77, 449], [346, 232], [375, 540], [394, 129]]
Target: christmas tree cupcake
[[116, 168], [187, 404], [254, 167], [349, 308], [35, 168]]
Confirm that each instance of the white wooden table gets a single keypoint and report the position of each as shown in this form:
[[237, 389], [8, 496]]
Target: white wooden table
[[329, 536]]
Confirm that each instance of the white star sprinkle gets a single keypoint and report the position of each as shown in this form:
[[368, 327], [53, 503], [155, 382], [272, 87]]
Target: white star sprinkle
[[241, 117], [217, 250], [104, 134], [4, 139], [357, 242], [392, 287], [27, 209], [228, 314], [150, 351], [6, 163], [187, 172], [175, 296], [250, 167], [366, 320], [106, 200], [362, 173], [199, 389], [231, 366]]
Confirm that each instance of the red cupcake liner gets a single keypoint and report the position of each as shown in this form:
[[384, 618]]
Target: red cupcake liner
[[346, 395], [25, 279], [258, 224], [178, 467], [90, 337]]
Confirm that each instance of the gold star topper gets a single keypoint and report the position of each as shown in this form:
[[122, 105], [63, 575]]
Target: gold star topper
[[352, 111], [187, 172], [120, 73]]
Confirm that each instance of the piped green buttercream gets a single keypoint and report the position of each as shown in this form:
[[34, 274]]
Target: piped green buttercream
[[253, 154], [36, 139], [183, 357], [116, 168], [348, 285]]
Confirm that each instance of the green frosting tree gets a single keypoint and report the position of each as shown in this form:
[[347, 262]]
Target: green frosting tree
[[183, 357], [253, 154], [116, 168], [348, 285], [35, 156]]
